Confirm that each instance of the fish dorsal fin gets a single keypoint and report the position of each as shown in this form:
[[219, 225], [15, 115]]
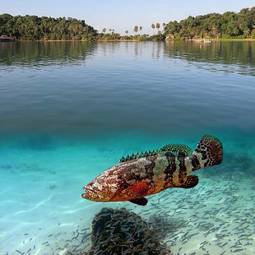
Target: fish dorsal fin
[[139, 155], [177, 148]]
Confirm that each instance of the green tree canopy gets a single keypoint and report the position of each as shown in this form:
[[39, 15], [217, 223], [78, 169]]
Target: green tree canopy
[[213, 25], [45, 28]]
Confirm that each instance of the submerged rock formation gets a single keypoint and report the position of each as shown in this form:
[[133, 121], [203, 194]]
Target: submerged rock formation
[[118, 231]]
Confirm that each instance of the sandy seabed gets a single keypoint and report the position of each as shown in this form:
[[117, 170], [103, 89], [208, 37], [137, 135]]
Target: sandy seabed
[[216, 217]]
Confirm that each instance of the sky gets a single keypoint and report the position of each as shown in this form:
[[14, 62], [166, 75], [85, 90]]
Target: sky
[[122, 15]]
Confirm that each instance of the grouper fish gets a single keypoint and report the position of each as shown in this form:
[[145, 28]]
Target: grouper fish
[[144, 174]]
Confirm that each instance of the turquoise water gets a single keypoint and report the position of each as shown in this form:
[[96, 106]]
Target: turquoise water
[[70, 110]]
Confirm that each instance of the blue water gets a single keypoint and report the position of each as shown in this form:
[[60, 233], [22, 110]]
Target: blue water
[[70, 110]]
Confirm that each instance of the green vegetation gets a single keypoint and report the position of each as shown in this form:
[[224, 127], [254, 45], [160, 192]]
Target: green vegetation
[[229, 25], [137, 36], [45, 28], [118, 37]]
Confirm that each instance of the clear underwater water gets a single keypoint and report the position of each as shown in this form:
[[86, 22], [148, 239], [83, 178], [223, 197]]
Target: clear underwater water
[[70, 110]]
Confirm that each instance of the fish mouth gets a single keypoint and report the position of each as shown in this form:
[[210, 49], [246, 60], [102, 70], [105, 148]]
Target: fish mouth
[[85, 195], [88, 193], [93, 193]]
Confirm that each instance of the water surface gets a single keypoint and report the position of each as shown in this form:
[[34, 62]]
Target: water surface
[[70, 110]]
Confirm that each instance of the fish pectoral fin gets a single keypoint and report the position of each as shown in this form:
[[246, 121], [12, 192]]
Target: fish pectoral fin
[[139, 201], [191, 182]]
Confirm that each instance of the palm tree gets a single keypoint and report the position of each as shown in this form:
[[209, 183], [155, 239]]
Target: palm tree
[[135, 29], [153, 27], [104, 30], [163, 25], [140, 28], [126, 32], [158, 26]]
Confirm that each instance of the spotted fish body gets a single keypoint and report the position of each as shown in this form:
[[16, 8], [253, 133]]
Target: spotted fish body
[[138, 176]]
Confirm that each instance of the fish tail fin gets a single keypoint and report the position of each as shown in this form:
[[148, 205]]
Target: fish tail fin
[[209, 152]]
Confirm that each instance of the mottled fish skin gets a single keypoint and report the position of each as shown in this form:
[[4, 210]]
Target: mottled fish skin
[[138, 178], [152, 174]]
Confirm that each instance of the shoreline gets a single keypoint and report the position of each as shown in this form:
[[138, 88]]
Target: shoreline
[[221, 40], [125, 40]]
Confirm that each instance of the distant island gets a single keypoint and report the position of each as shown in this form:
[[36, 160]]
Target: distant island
[[229, 25]]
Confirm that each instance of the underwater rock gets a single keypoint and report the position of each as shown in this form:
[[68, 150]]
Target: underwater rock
[[118, 231]]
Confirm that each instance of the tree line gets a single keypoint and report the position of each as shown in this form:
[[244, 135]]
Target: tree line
[[137, 35], [45, 28], [216, 26], [137, 28]]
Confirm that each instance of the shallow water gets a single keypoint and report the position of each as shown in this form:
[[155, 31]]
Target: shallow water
[[70, 110]]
